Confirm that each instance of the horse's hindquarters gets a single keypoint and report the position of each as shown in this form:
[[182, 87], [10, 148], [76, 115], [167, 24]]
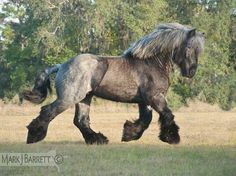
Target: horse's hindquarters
[[77, 77]]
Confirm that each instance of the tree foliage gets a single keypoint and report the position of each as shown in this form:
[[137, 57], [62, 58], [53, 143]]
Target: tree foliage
[[215, 81], [51, 31]]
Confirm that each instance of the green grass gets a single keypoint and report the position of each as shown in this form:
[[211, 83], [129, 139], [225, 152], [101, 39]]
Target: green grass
[[128, 159]]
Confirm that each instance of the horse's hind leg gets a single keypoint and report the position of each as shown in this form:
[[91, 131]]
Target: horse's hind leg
[[134, 130], [82, 121], [37, 129]]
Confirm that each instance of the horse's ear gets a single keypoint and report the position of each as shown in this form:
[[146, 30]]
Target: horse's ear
[[191, 32]]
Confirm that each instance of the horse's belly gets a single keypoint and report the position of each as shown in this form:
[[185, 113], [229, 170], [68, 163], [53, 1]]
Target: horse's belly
[[118, 91], [128, 96]]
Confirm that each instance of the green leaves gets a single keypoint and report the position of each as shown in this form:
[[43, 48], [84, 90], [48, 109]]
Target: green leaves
[[47, 32]]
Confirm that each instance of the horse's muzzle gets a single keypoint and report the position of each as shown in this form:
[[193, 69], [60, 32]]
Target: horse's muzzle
[[192, 71], [189, 73]]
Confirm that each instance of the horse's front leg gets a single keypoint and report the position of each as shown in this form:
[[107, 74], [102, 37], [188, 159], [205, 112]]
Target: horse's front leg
[[169, 129], [134, 130]]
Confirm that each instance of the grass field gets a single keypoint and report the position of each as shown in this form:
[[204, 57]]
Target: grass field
[[131, 159], [208, 145]]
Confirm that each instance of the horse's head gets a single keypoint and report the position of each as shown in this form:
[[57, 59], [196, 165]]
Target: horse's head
[[186, 56]]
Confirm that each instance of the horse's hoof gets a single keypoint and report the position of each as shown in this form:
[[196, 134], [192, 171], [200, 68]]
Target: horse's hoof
[[36, 132], [96, 138], [131, 131], [170, 134]]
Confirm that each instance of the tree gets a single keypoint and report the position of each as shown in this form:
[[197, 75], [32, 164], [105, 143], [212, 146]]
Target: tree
[[52, 31], [214, 82]]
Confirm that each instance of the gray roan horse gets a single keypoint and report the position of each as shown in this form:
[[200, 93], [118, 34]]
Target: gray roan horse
[[140, 75]]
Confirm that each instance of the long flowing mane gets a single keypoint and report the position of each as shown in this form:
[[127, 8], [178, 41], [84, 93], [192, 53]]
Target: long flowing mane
[[158, 44]]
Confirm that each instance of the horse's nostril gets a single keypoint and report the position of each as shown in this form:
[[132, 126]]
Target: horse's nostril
[[193, 67], [192, 71]]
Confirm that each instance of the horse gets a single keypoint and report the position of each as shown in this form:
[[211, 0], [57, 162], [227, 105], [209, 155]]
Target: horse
[[141, 75]]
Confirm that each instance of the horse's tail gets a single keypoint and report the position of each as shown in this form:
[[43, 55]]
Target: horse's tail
[[41, 86]]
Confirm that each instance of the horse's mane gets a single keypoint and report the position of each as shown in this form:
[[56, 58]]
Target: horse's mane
[[162, 41]]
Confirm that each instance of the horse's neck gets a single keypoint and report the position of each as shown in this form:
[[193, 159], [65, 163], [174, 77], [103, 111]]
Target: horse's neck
[[163, 64]]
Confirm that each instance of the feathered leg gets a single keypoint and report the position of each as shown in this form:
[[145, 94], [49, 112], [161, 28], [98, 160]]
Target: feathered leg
[[169, 130], [37, 129], [82, 121], [134, 130]]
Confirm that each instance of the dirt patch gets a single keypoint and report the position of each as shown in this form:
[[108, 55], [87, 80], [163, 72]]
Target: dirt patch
[[105, 106]]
